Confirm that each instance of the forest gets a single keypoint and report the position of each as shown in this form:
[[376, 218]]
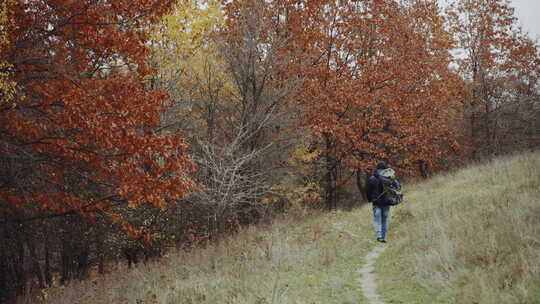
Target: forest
[[128, 128]]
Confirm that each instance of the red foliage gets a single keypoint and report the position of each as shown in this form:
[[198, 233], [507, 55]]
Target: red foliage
[[84, 134], [376, 76]]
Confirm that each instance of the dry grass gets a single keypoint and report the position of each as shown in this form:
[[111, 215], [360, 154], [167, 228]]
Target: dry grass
[[472, 236], [312, 260]]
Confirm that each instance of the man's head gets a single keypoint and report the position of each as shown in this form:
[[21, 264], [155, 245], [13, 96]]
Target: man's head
[[381, 164]]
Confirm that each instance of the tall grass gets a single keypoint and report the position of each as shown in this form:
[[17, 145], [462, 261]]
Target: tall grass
[[471, 236], [311, 260]]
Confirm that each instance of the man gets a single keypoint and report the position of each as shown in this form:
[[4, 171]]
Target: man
[[381, 207]]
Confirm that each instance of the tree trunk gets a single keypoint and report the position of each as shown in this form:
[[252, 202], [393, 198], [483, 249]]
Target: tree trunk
[[330, 181], [47, 270], [18, 267], [82, 262], [361, 183], [423, 167], [474, 130], [36, 268], [66, 260], [4, 294], [99, 249], [3, 277]]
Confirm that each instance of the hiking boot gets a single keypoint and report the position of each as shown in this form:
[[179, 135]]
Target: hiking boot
[[381, 240]]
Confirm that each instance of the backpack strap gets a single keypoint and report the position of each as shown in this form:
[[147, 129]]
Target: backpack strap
[[381, 186]]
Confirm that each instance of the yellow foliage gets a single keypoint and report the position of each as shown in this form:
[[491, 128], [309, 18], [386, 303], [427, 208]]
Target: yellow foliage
[[188, 60], [301, 159], [192, 23], [302, 198], [299, 188], [7, 85], [4, 19], [304, 193], [183, 38], [302, 154]]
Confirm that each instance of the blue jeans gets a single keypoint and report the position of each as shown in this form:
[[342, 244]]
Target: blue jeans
[[380, 220]]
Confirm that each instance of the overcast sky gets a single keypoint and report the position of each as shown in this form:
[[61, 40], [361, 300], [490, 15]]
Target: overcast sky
[[528, 13]]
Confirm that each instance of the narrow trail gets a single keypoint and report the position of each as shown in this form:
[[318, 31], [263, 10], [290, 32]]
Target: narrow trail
[[368, 280]]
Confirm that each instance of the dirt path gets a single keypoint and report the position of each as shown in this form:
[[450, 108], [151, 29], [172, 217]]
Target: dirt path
[[368, 280]]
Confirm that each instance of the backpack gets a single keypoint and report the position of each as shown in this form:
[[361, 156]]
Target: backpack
[[391, 194]]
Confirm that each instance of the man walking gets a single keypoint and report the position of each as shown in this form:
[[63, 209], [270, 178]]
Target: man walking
[[381, 203]]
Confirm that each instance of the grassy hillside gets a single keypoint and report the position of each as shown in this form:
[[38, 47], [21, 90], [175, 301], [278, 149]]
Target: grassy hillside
[[472, 236], [311, 260]]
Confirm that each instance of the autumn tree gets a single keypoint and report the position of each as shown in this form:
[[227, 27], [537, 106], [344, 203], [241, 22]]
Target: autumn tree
[[517, 126], [377, 83], [190, 67], [498, 61], [80, 136], [221, 66]]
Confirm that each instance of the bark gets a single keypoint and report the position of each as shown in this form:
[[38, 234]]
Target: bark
[[361, 183], [3, 267], [36, 268], [3, 277], [18, 267], [66, 260], [423, 167], [82, 262], [330, 177], [47, 270], [99, 250], [131, 255]]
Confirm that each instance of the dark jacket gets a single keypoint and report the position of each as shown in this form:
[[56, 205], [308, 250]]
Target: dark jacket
[[374, 189]]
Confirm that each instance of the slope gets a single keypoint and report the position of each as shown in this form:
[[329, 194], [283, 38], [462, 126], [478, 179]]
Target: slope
[[470, 236], [312, 259]]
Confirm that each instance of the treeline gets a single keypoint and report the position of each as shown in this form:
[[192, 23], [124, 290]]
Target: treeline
[[129, 128]]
